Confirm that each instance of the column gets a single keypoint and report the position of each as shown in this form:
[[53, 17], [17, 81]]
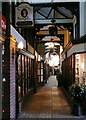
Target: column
[[82, 18], [0, 71], [6, 100]]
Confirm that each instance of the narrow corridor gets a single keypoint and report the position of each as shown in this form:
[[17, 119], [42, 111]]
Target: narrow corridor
[[48, 102]]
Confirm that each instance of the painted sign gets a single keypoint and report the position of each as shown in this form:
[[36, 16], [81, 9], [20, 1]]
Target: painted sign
[[2, 23], [24, 15]]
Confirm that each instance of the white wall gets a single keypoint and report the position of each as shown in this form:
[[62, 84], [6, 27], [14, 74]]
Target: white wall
[[17, 36], [76, 48]]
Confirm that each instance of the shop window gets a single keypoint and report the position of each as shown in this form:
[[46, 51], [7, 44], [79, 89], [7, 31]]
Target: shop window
[[41, 78], [31, 72], [80, 68], [19, 77], [26, 74], [40, 72], [23, 75], [41, 65], [30, 75]]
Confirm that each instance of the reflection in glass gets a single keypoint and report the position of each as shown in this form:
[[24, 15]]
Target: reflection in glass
[[38, 71], [41, 78], [41, 71], [41, 65]]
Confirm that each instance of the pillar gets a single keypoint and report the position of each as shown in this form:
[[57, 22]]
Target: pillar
[[0, 71], [82, 18], [6, 99]]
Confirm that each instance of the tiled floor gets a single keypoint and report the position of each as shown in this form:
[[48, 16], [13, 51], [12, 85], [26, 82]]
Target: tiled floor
[[48, 102]]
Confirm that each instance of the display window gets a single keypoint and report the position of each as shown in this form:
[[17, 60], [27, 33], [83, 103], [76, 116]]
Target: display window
[[19, 77], [31, 72], [40, 71], [23, 75], [26, 74], [80, 68]]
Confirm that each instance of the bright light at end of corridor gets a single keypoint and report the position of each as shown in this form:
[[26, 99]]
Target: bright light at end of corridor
[[54, 61]]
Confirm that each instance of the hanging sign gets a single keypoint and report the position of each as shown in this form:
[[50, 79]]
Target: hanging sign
[[24, 15], [2, 23]]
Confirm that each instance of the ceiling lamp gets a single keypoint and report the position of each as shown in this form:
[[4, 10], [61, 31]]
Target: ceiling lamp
[[51, 45], [53, 30]]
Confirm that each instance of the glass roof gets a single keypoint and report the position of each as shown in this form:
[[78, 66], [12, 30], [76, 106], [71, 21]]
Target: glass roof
[[49, 1], [41, 1]]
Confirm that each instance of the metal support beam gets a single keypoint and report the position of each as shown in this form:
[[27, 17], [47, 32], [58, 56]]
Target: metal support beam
[[41, 14], [49, 12], [61, 13], [49, 21]]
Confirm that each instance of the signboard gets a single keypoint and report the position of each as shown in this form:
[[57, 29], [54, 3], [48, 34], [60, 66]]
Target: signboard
[[24, 15], [2, 23]]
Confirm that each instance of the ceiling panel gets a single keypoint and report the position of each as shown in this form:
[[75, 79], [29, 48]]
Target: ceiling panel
[[39, 1], [48, 1]]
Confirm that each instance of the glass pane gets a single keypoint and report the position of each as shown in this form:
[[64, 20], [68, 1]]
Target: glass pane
[[23, 74], [41, 65], [38, 65], [38, 71], [26, 67], [26, 73], [19, 77], [41, 78], [38, 78], [41, 71]]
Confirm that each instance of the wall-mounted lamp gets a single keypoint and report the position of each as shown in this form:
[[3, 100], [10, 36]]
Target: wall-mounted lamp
[[20, 45]]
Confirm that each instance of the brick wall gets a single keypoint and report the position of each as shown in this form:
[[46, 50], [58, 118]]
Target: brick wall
[[12, 79]]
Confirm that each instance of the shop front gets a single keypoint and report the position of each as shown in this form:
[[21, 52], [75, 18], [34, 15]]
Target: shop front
[[74, 76], [80, 68]]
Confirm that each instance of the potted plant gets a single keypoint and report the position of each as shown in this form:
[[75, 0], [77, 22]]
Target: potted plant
[[76, 94], [84, 99]]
